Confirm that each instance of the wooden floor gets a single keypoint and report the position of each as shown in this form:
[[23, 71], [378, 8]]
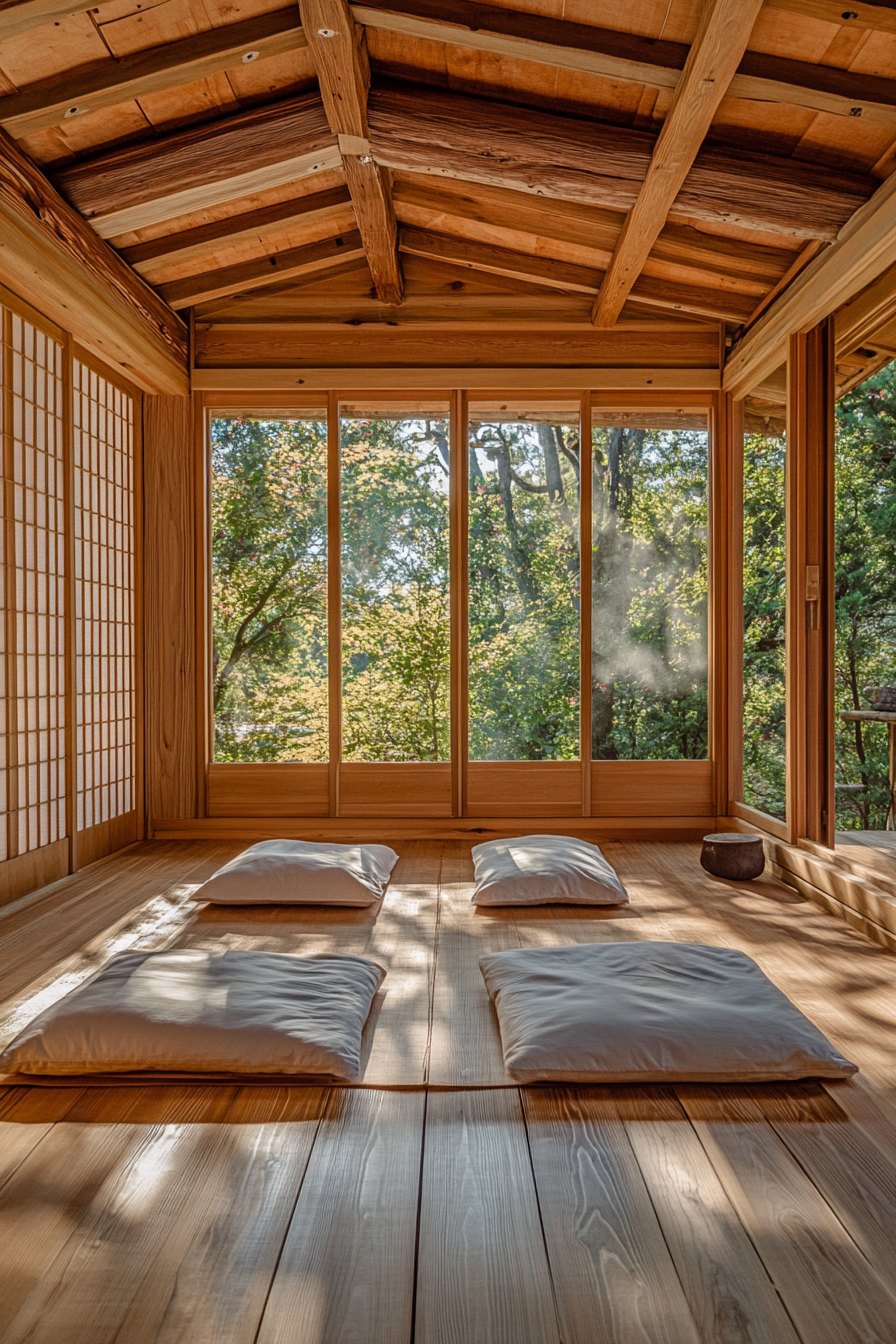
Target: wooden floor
[[438, 1203]]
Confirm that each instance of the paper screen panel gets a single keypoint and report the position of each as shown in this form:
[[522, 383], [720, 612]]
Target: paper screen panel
[[105, 699], [34, 553]]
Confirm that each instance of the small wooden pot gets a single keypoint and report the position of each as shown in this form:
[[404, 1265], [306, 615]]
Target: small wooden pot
[[735, 856]]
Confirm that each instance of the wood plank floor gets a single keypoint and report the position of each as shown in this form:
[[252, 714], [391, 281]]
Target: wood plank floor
[[440, 1204]]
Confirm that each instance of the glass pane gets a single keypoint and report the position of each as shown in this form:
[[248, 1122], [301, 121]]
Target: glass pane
[[865, 599], [269, 586], [524, 582], [649, 585], [765, 601], [395, 602]]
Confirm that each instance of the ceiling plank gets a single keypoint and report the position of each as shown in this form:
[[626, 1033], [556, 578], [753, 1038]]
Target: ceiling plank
[[235, 226], [154, 70], [93, 294], [720, 42], [20, 16], [864, 249], [858, 321], [173, 175], [477, 140], [877, 18], [628, 58], [274, 269], [339, 51]]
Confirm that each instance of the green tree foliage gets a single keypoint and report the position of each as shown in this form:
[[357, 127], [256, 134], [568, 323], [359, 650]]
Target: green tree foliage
[[524, 591], [395, 601], [865, 591], [649, 588], [764, 577], [269, 668]]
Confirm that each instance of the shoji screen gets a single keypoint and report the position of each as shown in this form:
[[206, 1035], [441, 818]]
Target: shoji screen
[[103, 525], [33, 587]]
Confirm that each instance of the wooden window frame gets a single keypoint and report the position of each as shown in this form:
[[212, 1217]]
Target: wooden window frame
[[640, 789]]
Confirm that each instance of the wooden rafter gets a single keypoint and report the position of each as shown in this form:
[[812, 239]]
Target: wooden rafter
[[93, 293], [107, 83], [235, 227], [864, 249], [628, 58], [476, 140], [275, 269], [340, 56], [718, 46], [206, 165], [562, 275]]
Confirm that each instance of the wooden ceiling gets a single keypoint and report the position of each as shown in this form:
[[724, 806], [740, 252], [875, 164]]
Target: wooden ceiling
[[450, 162]]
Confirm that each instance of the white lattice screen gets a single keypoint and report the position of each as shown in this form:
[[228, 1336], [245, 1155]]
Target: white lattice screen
[[103, 519], [34, 586]]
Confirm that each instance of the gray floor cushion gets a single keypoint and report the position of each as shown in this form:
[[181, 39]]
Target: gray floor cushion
[[192, 1011], [302, 872], [544, 870], [650, 1012]]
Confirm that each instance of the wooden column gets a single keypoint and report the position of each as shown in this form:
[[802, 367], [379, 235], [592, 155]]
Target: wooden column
[[169, 604], [725, 632], [810, 584]]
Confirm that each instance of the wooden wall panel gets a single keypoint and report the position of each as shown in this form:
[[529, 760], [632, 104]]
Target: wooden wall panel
[[169, 579], [524, 788], [28, 872], [414, 789], [652, 789], [287, 789], [375, 344]]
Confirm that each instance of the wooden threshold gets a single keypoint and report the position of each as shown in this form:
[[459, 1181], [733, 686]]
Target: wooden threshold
[[371, 829]]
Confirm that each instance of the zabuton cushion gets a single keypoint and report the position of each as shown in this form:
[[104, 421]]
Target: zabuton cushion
[[542, 870], [192, 1011], [300, 872], [646, 1012]]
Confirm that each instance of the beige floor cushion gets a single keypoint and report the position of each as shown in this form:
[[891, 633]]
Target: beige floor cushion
[[302, 872], [543, 870], [195, 1012], [646, 1012]]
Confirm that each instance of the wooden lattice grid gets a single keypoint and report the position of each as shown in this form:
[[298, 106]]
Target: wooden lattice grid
[[104, 568], [34, 586]]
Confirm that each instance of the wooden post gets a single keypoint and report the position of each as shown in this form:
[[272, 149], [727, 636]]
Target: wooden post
[[460, 600], [334, 599], [810, 585], [725, 623], [585, 555]]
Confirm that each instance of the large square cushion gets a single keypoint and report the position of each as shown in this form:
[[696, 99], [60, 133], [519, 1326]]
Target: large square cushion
[[206, 1012], [300, 872], [543, 870], [645, 1012]]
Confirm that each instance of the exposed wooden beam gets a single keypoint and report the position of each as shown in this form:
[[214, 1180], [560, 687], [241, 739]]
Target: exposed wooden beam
[[235, 226], [629, 58], [540, 270], [720, 42], [858, 322], [20, 16], [340, 55], [55, 262], [526, 379], [864, 249], [206, 165], [106, 83], [275, 269], [455, 136], [474, 140]]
